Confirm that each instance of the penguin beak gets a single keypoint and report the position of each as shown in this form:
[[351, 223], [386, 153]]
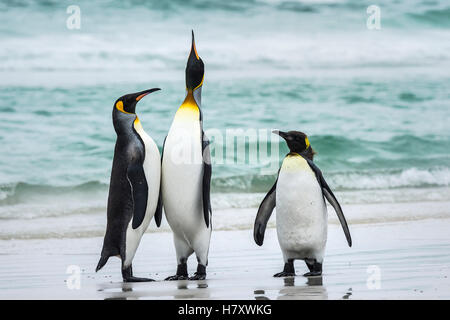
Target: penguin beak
[[193, 49], [282, 134], [142, 94]]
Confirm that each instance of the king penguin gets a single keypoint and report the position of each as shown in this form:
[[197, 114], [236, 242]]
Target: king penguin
[[299, 194], [186, 176], [134, 187]]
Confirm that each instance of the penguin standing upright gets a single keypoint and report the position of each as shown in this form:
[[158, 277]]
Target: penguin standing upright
[[186, 176], [298, 194], [134, 187]]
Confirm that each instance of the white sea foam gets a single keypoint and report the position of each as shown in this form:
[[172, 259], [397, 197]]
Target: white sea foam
[[409, 185], [93, 225], [411, 177]]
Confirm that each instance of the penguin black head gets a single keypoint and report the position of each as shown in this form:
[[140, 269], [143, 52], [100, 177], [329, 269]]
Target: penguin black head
[[127, 103], [195, 68], [297, 142]]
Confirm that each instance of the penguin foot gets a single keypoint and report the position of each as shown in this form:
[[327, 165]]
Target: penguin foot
[[137, 279], [176, 277], [200, 274], [284, 274], [182, 273], [315, 268], [288, 270], [313, 274], [127, 276]]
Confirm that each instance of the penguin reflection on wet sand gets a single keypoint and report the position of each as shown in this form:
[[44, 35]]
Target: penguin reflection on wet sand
[[299, 194], [134, 186], [186, 176]]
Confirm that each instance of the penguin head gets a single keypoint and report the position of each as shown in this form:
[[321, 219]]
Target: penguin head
[[297, 142], [195, 69], [127, 103]]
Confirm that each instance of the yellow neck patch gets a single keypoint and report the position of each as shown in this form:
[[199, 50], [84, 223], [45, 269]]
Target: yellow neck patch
[[307, 142], [137, 124], [294, 162], [188, 109], [119, 106]]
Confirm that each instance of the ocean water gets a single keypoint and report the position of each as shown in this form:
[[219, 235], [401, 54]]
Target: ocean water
[[374, 103]]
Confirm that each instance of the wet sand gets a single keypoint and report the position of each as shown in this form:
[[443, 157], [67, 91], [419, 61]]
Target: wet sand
[[410, 259]]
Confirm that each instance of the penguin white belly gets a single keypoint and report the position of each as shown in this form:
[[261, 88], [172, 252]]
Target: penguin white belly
[[182, 178], [152, 171], [301, 213]]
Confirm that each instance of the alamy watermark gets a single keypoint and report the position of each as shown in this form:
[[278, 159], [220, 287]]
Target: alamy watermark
[[238, 146], [73, 281], [374, 19], [374, 279], [74, 19]]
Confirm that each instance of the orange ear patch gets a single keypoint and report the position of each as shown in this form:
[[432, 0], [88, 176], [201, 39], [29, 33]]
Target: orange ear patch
[[307, 142], [119, 106]]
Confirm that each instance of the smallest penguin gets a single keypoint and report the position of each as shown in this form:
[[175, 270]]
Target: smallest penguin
[[299, 194]]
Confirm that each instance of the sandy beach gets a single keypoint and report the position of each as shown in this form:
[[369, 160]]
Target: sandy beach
[[411, 260]]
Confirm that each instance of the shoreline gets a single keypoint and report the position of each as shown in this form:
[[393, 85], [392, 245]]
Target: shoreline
[[411, 259]]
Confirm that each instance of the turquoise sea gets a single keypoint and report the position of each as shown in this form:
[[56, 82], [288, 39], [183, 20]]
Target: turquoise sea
[[375, 103]]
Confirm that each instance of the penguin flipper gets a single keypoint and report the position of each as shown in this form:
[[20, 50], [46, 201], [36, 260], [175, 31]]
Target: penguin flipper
[[101, 262], [337, 207], [139, 192], [207, 171], [159, 207], [158, 212], [332, 200], [264, 212]]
